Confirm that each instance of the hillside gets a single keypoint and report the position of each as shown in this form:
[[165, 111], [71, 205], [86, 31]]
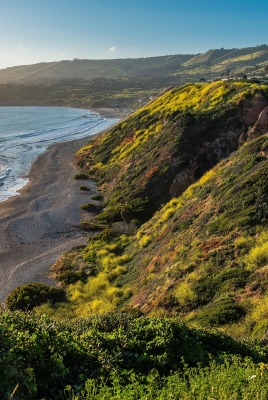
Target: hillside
[[89, 69], [161, 149], [123, 83], [203, 253], [216, 61], [179, 240]]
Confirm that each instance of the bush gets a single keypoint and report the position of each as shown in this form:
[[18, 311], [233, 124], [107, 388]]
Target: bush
[[80, 175], [42, 355], [94, 226], [33, 294], [223, 311], [97, 197], [235, 378], [91, 207], [84, 188]]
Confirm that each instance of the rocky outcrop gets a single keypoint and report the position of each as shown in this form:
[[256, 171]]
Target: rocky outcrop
[[222, 142], [253, 108], [261, 125]]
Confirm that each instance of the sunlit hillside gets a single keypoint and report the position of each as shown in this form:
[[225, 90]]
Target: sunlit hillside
[[202, 255], [177, 254]]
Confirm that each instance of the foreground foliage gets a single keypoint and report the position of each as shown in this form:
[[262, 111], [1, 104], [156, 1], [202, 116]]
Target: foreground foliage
[[42, 356], [28, 296], [235, 378]]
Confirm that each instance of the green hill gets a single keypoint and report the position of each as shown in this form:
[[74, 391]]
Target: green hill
[[190, 165], [181, 236], [88, 69], [161, 149], [214, 60]]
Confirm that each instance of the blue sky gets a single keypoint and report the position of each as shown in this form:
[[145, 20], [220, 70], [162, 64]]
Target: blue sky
[[49, 30]]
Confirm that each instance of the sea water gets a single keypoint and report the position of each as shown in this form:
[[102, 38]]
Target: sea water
[[26, 132]]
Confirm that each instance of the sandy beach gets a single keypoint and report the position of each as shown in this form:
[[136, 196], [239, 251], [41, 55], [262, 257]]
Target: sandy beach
[[40, 224]]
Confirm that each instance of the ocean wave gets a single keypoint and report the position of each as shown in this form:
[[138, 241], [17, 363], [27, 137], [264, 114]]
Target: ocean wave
[[78, 132], [25, 140], [4, 172], [64, 129]]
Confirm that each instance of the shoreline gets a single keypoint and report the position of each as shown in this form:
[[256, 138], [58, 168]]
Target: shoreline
[[41, 223]]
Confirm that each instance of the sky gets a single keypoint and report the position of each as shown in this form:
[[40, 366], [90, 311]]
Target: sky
[[33, 31]]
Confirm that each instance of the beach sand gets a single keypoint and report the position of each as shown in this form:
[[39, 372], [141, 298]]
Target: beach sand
[[40, 224]]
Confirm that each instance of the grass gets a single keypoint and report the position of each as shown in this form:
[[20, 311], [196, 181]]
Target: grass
[[235, 378]]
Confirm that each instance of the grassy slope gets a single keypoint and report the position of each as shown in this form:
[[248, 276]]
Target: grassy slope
[[203, 255], [156, 153]]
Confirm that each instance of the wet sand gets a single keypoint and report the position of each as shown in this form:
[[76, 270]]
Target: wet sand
[[41, 223]]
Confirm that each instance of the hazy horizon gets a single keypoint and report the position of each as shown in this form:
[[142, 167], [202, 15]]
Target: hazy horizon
[[58, 30]]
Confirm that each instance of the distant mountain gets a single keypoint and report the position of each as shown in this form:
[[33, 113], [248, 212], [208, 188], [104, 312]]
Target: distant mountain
[[123, 83], [90, 69], [207, 64], [191, 167]]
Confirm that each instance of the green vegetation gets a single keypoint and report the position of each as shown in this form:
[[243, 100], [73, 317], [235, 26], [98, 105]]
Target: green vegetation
[[203, 254], [161, 149], [93, 207], [97, 197], [181, 235], [33, 294], [80, 176], [233, 379], [119, 354]]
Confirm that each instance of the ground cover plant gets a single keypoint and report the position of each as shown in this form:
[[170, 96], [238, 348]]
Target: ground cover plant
[[121, 355], [233, 379]]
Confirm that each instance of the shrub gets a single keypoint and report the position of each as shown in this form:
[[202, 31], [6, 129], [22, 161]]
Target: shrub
[[223, 311], [235, 378], [145, 241], [42, 355], [92, 226], [84, 188], [33, 294], [80, 175], [91, 207], [97, 197]]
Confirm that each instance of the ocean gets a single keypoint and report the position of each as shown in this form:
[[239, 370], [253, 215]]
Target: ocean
[[26, 132]]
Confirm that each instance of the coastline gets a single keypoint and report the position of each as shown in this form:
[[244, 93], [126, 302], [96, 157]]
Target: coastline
[[41, 223]]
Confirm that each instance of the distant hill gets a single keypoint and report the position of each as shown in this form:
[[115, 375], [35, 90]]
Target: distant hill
[[217, 61], [123, 83], [90, 69]]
